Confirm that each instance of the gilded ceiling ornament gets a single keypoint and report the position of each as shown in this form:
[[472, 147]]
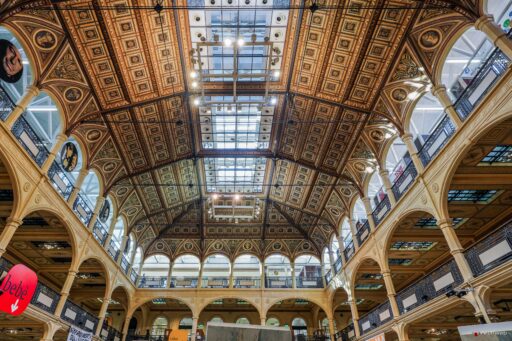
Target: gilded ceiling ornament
[[430, 39], [73, 94], [406, 69], [45, 39], [66, 68]]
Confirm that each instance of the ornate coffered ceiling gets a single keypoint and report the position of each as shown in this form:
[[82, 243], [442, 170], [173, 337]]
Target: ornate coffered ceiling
[[120, 71]]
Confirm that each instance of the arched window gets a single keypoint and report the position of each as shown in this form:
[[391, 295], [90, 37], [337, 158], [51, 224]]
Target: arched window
[[243, 320], [91, 188], [359, 212], [376, 191], [137, 261], [272, 322], [246, 271], [16, 90], [217, 319], [185, 272], [159, 326], [186, 323], [335, 247], [216, 271], [426, 115], [299, 327], [130, 246], [346, 232], [156, 266], [307, 268], [278, 271], [118, 233]]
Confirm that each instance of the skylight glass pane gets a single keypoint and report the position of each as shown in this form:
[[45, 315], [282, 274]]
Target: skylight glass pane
[[234, 175]]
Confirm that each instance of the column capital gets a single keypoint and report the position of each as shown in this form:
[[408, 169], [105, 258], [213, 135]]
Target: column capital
[[444, 223], [33, 90], [383, 172], [14, 221], [60, 138], [436, 89], [406, 136], [483, 21]]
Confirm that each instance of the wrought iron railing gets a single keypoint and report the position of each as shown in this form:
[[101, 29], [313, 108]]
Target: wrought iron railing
[[328, 276], [349, 250], [82, 209], [77, 316], [183, 282], [215, 282], [61, 181], [153, 282], [45, 298], [436, 140], [30, 141], [438, 282], [125, 265], [309, 282], [113, 250], [376, 318], [6, 104], [404, 180], [247, 282], [277, 282], [346, 334], [338, 264], [109, 333], [100, 232], [492, 251], [381, 210], [133, 276], [485, 79], [363, 232]]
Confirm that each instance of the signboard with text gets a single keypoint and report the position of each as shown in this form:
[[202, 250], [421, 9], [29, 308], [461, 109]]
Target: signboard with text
[[17, 289], [487, 332]]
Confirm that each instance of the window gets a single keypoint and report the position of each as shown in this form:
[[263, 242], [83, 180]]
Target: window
[[368, 286], [426, 223], [412, 246], [156, 266], [499, 154], [217, 319], [186, 266], [186, 323], [471, 195], [272, 322], [243, 320], [159, 326], [234, 175], [371, 276], [400, 261], [299, 327]]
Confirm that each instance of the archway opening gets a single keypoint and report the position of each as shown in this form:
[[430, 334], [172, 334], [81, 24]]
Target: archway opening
[[155, 270], [230, 310], [278, 272], [342, 314], [308, 272], [116, 312], [247, 272], [185, 272], [216, 272]]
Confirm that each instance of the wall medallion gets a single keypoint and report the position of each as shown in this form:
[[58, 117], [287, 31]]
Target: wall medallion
[[430, 39], [69, 156], [45, 39]]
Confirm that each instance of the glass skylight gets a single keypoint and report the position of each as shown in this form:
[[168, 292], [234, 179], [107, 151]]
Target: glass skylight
[[242, 35], [242, 124], [234, 175]]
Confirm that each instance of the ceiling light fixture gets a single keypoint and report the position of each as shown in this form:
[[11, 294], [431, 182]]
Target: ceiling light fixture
[[228, 42], [241, 42], [193, 74], [277, 73]]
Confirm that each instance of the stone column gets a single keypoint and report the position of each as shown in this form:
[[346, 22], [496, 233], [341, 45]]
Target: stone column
[[78, 184], [231, 275], [49, 331], [369, 210], [59, 141], [64, 293], [30, 92], [262, 277], [103, 312], [439, 91], [121, 249], [8, 232], [353, 230], [411, 148], [390, 288], [125, 326], [132, 259], [495, 34], [194, 328], [323, 272], [99, 204], [110, 233], [332, 331], [384, 175], [263, 320], [169, 274], [200, 277], [456, 248], [294, 280], [401, 330], [355, 316]]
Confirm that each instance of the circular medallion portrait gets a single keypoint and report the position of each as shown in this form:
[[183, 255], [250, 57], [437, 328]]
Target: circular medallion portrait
[[69, 157], [45, 39], [430, 39], [73, 94], [12, 65], [105, 211]]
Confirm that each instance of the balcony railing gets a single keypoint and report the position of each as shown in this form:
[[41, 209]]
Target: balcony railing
[[215, 282], [349, 250], [338, 264], [404, 180], [375, 318], [486, 77], [437, 139], [438, 282], [309, 282], [82, 209], [45, 298], [30, 141], [328, 276], [109, 333], [60, 180], [277, 282], [100, 232], [382, 209], [133, 276], [6, 104], [346, 334], [183, 282], [363, 232], [492, 251], [77, 316], [153, 282], [125, 265], [247, 282], [113, 250]]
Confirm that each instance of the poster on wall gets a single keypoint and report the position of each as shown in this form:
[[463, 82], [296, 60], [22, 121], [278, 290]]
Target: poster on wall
[[379, 337], [501, 331], [11, 68], [76, 334], [17, 289], [69, 156]]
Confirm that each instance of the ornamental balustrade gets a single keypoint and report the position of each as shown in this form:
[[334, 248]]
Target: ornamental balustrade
[[60, 180], [436, 140], [125, 265], [77, 316], [349, 250], [6, 104], [309, 282], [381, 210], [153, 282], [247, 282], [45, 298], [215, 282], [113, 250], [82, 209], [485, 78], [109, 333], [30, 141], [363, 232], [404, 180], [133, 276], [100, 232], [438, 282], [338, 264], [184, 282], [346, 334], [277, 282], [492, 251], [375, 318]]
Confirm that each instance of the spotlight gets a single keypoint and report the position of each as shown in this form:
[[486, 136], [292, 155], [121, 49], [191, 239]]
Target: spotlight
[[240, 42], [193, 74], [196, 101], [228, 42], [273, 100], [215, 196], [237, 197], [194, 84], [277, 73]]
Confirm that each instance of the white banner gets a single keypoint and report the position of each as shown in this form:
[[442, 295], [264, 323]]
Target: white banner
[[76, 334], [487, 332]]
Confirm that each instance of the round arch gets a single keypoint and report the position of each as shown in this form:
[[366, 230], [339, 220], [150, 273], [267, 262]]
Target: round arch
[[36, 71], [268, 306], [15, 184], [250, 300], [61, 109], [101, 261], [353, 274], [139, 302]]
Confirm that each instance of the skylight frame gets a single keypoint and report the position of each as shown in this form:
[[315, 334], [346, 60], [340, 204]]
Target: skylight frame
[[235, 174]]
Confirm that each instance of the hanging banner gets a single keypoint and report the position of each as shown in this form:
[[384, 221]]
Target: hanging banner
[[487, 332], [69, 157], [17, 289], [76, 334]]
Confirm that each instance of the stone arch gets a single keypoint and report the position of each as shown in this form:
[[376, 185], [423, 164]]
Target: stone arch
[[286, 296], [101, 261], [352, 275], [136, 304], [254, 302], [18, 204]]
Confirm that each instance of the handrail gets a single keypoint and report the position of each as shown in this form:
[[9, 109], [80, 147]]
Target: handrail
[[277, 282], [60, 180], [309, 282], [404, 180], [82, 209], [30, 141], [363, 232], [376, 317], [153, 282], [436, 141], [381, 210], [246, 282]]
